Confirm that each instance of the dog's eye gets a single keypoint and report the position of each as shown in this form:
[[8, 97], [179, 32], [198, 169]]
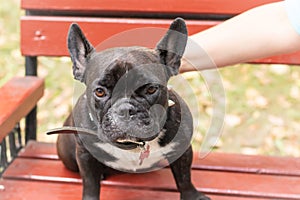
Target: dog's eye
[[99, 92], [151, 89]]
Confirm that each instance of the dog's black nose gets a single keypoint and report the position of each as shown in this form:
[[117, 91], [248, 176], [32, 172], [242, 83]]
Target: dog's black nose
[[125, 111]]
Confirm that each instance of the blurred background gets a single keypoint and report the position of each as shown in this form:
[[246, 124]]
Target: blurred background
[[262, 101]]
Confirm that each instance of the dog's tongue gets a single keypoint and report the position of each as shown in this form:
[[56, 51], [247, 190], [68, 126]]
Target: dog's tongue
[[144, 154]]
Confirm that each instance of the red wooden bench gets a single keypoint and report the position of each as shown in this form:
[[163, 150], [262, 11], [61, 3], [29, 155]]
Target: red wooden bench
[[37, 173], [18, 97]]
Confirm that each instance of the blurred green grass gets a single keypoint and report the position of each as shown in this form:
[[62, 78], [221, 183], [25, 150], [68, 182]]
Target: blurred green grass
[[262, 109], [10, 61]]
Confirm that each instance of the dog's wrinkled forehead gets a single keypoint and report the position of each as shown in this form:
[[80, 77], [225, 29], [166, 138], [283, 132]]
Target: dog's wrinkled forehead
[[87, 63], [133, 65]]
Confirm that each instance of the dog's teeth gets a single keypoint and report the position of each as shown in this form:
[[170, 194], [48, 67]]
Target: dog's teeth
[[142, 146], [171, 103], [130, 141], [122, 140]]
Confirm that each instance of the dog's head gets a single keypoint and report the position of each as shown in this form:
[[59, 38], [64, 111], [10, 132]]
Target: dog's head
[[126, 87]]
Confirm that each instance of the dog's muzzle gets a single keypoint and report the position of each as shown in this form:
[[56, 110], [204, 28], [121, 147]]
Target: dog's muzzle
[[129, 124]]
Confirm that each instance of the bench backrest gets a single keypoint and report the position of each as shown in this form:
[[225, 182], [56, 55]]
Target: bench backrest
[[44, 28]]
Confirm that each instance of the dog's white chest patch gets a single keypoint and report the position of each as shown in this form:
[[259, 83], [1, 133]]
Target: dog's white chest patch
[[150, 157]]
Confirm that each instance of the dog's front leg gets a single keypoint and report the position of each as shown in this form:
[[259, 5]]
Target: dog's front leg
[[91, 172], [181, 169]]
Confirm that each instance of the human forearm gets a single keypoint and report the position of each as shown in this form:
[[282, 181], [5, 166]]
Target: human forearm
[[257, 33]]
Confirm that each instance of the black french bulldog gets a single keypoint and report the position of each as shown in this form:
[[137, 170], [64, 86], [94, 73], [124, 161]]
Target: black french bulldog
[[129, 108]]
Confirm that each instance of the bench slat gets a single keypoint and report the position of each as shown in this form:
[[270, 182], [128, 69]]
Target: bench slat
[[38, 169], [18, 189], [214, 161], [241, 184], [257, 164], [39, 150], [153, 6], [39, 34], [222, 183], [31, 190], [19, 95]]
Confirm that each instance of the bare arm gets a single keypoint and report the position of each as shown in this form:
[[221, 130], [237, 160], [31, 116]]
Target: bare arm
[[260, 32]]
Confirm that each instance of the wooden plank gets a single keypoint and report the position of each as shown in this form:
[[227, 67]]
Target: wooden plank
[[225, 183], [18, 96], [258, 164], [31, 190], [19, 189], [41, 170], [153, 6], [39, 34], [222, 183], [47, 190], [289, 59], [41, 150]]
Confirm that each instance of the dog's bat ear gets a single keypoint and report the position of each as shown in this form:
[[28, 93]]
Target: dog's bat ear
[[79, 48], [171, 47]]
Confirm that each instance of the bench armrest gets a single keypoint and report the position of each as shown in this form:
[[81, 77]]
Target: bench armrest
[[17, 97]]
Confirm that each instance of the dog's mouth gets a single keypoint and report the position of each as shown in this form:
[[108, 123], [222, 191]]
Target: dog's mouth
[[129, 144]]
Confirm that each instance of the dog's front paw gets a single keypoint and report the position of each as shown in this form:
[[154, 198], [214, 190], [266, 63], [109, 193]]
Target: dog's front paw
[[193, 195]]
